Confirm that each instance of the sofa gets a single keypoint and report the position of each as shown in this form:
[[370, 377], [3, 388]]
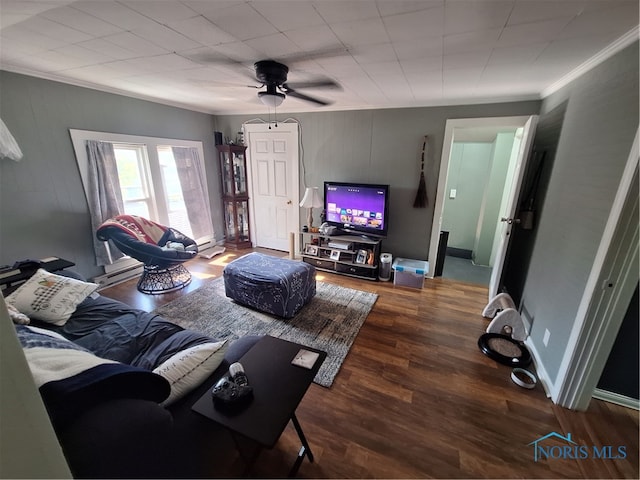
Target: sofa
[[118, 383]]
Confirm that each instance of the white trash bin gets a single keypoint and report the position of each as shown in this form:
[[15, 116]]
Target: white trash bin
[[385, 267]]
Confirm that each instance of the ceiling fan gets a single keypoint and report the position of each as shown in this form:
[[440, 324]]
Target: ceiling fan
[[273, 76]]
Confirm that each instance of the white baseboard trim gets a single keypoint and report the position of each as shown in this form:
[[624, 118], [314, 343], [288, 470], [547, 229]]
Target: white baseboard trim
[[543, 376], [616, 398]]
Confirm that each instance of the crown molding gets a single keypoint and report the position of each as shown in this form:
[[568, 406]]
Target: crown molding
[[621, 43], [100, 88]]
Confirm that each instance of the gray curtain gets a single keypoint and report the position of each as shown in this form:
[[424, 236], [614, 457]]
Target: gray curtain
[[192, 180], [105, 199]]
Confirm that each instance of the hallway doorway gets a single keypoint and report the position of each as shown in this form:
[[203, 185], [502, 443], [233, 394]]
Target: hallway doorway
[[480, 177]]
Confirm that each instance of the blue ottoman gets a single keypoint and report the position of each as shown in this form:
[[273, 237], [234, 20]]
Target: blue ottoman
[[270, 284]]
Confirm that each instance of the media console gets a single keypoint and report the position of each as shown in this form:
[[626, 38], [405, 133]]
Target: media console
[[354, 255]]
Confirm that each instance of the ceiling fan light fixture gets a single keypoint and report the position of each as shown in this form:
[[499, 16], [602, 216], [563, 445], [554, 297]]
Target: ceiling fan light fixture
[[271, 99]]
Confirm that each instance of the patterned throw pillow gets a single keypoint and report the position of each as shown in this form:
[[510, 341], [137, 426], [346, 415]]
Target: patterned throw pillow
[[49, 297], [189, 368]]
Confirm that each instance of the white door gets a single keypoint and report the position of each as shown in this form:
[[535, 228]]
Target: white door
[[528, 124], [274, 191], [507, 219]]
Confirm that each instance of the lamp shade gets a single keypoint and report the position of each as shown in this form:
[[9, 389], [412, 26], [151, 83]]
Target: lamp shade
[[311, 198], [271, 99]]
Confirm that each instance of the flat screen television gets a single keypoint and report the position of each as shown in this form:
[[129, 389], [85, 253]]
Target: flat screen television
[[357, 207]]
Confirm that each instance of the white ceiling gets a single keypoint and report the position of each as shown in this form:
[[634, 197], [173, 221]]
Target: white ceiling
[[199, 54]]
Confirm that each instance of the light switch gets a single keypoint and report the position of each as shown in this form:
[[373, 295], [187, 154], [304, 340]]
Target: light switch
[[452, 193]]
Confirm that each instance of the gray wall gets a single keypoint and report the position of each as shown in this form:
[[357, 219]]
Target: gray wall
[[600, 123], [43, 209], [383, 146]]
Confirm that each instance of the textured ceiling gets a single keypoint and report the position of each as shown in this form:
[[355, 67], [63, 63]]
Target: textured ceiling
[[385, 53]]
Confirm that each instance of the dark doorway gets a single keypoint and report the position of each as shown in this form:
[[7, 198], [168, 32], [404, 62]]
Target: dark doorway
[[533, 193], [621, 372]]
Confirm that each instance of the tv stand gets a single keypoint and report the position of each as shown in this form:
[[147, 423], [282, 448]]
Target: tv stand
[[346, 254], [368, 238]]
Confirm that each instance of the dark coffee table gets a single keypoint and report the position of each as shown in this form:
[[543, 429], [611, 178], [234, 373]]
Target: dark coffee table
[[278, 388]]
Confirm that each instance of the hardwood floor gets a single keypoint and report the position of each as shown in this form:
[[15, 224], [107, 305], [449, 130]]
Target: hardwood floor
[[416, 398]]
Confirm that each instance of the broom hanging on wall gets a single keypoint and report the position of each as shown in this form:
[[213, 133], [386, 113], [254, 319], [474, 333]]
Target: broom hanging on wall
[[421, 195]]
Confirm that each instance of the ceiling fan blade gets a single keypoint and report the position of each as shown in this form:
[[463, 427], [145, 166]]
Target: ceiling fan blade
[[212, 58], [209, 84], [327, 52], [301, 96], [328, 83]]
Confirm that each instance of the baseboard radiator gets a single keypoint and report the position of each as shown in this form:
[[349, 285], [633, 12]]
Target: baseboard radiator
[[119, 276], [114, 275]]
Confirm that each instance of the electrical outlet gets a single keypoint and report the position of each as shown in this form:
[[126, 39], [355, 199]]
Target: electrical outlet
[[545, 339], [453, 193]]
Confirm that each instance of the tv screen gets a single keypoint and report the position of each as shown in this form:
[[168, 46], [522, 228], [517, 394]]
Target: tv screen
[[357, 207]]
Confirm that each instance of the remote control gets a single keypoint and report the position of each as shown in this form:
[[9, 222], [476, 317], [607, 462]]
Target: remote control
[[236, 372], [232, 389]]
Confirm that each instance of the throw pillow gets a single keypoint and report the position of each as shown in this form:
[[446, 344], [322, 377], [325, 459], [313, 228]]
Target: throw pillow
[[189, 368], [49, 297]]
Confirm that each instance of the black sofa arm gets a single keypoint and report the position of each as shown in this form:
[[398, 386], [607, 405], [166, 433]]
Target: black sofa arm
[[133, 438], [121, 438]]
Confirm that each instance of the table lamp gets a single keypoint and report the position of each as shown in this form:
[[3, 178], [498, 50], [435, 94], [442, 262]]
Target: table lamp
[[311, 199]]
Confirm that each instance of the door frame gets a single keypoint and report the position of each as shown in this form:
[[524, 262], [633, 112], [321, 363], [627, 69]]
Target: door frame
[[613, 278], [451, 125], [286, 127]]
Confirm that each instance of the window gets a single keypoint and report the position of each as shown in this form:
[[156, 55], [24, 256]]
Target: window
[[160, 179], [176, 208], [160, 199], [134, 185]]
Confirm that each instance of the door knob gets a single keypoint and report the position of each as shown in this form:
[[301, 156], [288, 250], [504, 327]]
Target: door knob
[[288, 202], [510, 220]]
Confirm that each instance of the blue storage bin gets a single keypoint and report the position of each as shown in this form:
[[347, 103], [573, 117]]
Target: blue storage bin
[[409, 273]]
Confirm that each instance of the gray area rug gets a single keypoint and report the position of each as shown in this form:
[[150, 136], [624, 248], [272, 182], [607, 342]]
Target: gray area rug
[[330, 321]]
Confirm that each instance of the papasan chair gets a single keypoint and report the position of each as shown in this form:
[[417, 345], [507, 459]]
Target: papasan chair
[[162, 249]]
